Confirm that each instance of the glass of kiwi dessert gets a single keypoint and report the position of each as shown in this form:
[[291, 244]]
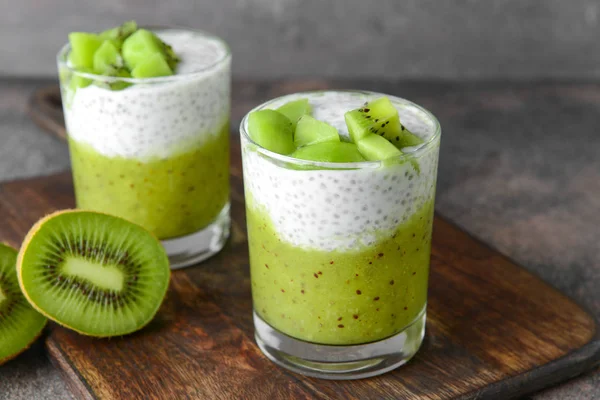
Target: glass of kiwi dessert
[[147, 117], [339, 189]]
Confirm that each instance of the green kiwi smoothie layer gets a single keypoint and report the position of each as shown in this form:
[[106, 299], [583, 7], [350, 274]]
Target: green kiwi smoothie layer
[[171, 197], [340, 298]]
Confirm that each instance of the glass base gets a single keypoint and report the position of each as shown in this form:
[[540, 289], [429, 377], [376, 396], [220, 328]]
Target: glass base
[[189, 250], [340, 362]]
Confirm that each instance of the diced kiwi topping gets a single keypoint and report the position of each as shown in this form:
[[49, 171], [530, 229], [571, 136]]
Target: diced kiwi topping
[[272, 130], [124, 51], [375, 133], [311, 131], [374, 147], [380, 117], [294, 110], [329, 152]]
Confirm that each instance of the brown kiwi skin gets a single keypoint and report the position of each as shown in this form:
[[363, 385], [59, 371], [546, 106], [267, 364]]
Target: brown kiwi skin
[[33, 340], [34, 229]]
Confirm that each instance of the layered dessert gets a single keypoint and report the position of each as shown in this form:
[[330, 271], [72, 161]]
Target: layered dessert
[[147, 118], [339, 195]]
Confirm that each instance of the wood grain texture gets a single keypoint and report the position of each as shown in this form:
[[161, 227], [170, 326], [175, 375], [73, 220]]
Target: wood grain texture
[[494, 330]]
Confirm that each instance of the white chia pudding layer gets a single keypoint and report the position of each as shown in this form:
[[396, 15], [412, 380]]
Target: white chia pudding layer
[[343, 209], [158, 117]]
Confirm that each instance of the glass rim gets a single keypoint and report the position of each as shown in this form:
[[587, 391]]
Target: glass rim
[[346, 165], [61, 60]]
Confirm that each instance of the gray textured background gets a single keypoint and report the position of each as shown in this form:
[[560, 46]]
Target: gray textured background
[[451, 39]]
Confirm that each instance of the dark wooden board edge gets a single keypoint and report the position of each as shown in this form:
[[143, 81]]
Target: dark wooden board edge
[[45, 109], [74, 381], [570, 366]]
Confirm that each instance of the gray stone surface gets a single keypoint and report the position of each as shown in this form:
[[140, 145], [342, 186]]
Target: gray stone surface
[[32, 377], [519, 168], [337, 38], [24, 151]]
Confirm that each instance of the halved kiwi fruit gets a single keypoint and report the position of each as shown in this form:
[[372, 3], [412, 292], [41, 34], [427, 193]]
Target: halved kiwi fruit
[[94, 273], [20, 324]]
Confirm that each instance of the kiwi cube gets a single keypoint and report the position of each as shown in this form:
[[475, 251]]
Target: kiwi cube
[[380, 107], [358, 125], [83, 47], [78, 81], [312, 131], [120, 85], [337, 152], [139, 46], [107, 57], [172, 58], [374, 147], [271, 130], [294, 110], [118, 34], [154, 65]]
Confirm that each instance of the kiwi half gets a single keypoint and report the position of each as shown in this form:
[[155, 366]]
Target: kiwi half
[[94, 273], [20, 324]]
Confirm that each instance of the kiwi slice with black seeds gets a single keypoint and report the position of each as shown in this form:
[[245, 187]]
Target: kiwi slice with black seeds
[[380, 117], [94, 273], [20, 323]]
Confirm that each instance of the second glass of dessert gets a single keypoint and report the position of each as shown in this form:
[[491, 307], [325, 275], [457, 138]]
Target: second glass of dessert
[[147, 117], [339, 189]]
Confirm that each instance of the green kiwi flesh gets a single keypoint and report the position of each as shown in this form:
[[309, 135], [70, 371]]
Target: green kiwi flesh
[[374, 147], [118, 34], [107, 58], [141, 45], [83, 47], [380, 117], [311, 131], [97, 274], [20, 323], [294, 110], [152, 66], [271, 130], [336, 152]]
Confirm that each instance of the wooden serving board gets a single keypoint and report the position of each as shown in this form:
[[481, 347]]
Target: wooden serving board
[[494, 330]]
